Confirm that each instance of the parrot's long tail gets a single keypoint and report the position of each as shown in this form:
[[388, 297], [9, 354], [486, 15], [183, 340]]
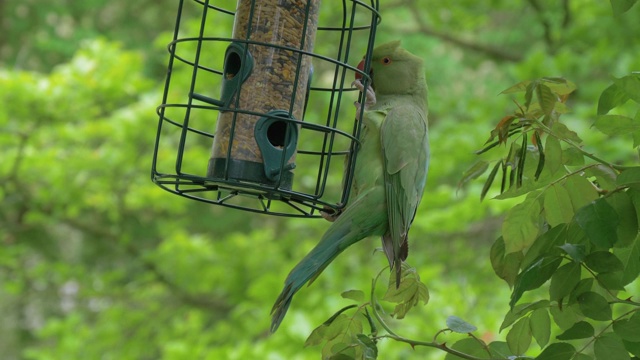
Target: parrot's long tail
[[333, 242], [358, 221]]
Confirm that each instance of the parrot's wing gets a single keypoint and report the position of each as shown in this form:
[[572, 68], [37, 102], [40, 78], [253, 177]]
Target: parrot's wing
[[405, 152]]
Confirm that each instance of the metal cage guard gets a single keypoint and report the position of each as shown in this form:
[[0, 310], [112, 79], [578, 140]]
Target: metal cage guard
[[281, 109]]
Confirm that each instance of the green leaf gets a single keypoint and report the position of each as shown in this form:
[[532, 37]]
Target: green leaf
[[334, 316], [534, 276], [409, 294], [575, 235], [540, 323], [500, 350], [489, 181], [572, 157], [505, 266], [369, 347], [521, 310], [583, 286], [334, 333], [636, 135], [628, 329], [521, 86], [468, 346], [603, 261], [630, 85], [581, 191], [356, 295], [561, 108], [319, 334], [519, 337], [546, 98], [528, 95], [541, 156], [628, 225], [478, 168], [564, 280], [527, 187], [558, 85], [575, 251], [521, 162], [563, 132], [566, 316], [594, 306], [344, 325], [610, 98], [339, 351], [632, 347], [581, 356], [372, 325], [599, 221], [616, 124], [460, 326], [610, 280], [634, 195], [621, 6], [579, 330], [605, 176], [553, 152], [557, 205], [520, 226], [340, 337], [545, 245], [630, 257], [629, 176], [557, 351], [608, 347]]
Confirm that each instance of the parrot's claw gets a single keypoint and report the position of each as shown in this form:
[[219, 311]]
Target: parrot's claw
[[358, 109], [369, 94], [330, 214], [370, 97]]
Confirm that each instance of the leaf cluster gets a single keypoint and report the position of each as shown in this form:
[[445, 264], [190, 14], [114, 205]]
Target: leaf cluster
[[343, 336], [575, 232]]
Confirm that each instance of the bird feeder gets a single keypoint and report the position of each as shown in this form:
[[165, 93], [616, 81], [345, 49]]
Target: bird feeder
[[253, 115]]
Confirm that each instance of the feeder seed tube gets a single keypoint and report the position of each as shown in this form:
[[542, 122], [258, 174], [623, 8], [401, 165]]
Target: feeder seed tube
[[271, 26]]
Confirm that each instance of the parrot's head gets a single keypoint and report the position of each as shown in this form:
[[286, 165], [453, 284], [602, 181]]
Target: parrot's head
[[394, 70]]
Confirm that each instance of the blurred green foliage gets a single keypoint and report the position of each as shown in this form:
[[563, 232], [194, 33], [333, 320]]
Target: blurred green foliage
[[97, 262]]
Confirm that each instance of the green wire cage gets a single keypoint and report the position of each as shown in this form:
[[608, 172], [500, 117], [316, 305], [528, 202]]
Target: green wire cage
[[255, 115]]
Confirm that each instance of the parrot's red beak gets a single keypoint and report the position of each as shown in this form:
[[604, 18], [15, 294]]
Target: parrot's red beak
[[361, 68], [359, 75]]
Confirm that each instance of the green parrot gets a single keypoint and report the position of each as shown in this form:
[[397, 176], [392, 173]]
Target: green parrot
[[390, 170]]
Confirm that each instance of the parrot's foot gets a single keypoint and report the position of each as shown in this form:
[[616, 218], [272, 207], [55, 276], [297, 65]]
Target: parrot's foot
[[369, 95], [330, 214]]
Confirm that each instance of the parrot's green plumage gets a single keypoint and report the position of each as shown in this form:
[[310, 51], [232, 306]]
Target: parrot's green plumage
[[390, 172]]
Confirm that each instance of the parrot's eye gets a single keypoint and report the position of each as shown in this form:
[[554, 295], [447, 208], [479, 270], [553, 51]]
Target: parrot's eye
[[386, 60]]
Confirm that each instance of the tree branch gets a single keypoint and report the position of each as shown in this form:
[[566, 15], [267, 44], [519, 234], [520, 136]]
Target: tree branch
[[490, 51], [546, 25], [566, 19]]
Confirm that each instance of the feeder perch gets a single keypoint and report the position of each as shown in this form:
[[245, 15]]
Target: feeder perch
[[234, 127]]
